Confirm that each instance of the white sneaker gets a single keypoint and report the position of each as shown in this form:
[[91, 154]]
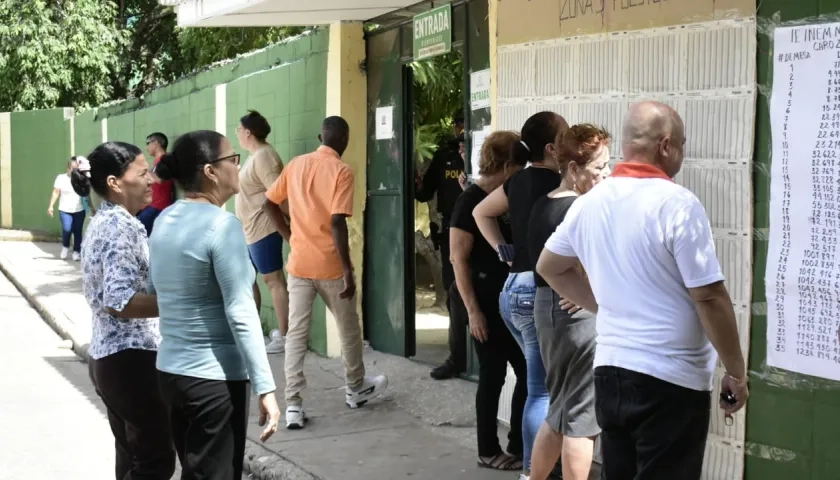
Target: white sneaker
[[77, 256], [277, 343], [522, 476], [295, 417], [64, 252], [371, 389]]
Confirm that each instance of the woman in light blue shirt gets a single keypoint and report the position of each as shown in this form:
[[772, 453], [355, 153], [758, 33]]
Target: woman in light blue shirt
[[212, 343]]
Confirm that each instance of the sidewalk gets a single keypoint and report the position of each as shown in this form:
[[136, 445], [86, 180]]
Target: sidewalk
[[420, 429]]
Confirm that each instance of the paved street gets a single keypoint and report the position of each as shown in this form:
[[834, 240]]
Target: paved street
[[52, 422], [419, 428], [54, 426]]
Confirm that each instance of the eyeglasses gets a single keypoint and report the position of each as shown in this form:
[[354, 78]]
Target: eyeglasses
[[233, 158]]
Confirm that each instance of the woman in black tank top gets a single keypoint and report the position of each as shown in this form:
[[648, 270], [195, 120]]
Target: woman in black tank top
[[515, 198]]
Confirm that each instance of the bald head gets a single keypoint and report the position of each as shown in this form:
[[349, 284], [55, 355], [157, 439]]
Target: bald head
[[653, 133]]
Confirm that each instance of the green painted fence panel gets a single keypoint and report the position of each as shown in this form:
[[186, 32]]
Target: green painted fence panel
[[87, 132], [121, 128], [40, 142]]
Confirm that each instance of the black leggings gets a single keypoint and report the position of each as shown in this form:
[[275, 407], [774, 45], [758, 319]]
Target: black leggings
[[127, 383], [493, 358], [209, 423]]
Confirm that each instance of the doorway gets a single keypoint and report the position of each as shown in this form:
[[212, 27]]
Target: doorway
[[403, 298], [437, 104]]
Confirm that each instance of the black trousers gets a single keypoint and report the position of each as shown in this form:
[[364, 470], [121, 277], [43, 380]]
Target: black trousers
[[652, 429], [457, 327], [127, 383], [493, 358], [209, 424]]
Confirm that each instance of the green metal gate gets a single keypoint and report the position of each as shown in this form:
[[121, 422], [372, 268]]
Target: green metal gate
[[389, 302]]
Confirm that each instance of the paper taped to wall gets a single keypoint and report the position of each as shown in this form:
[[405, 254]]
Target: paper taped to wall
[[478, 137], [803, 268], [385, 123]]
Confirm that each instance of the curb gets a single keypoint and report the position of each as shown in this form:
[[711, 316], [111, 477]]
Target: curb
[[261, 463], [26, 236], [79, 349]]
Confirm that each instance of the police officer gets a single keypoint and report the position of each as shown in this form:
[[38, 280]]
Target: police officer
[[445, 177]]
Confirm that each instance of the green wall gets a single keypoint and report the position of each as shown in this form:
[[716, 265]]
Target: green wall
[[292, 97], [40, 145], [285, 82], [88, 132], [792, 420]]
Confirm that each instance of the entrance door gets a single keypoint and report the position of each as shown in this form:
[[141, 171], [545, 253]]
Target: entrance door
[[389, 274], [389, 237]]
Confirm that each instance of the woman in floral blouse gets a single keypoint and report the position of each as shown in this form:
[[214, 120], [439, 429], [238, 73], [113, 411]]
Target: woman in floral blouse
[[126, 336]]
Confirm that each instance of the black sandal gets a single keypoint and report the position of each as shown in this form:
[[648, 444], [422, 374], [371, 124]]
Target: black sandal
[[501, 461]]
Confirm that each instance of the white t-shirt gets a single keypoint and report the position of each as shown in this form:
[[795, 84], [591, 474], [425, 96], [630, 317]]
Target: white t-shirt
[[69, 201], [643, 243]]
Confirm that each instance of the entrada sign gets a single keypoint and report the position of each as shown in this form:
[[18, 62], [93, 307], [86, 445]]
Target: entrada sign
[[433, 33]]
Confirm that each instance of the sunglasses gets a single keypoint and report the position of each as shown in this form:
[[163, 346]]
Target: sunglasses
[[233, 158]]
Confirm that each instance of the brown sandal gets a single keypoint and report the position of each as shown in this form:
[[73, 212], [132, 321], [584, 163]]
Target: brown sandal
[[502, 461]]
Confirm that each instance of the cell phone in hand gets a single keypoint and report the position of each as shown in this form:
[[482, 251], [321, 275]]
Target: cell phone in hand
[[506, 252]]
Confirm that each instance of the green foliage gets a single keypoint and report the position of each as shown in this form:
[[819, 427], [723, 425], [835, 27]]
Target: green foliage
[[438, 84], [151, 55], [204, 46], [160, 52], [57, 53], [81, 53]]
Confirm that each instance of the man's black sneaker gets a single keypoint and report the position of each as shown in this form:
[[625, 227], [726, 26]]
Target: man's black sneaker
[[446, 371]]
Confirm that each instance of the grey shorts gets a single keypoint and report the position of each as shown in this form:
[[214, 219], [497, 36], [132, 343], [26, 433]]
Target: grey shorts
[[567, 345]]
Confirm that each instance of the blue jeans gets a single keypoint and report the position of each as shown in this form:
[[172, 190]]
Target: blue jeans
[[147, 217], [72, 224], [516, 304]]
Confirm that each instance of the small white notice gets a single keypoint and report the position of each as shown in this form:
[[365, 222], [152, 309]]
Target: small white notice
[[803, 265], [478, 137], [385, 123], [480, 89]]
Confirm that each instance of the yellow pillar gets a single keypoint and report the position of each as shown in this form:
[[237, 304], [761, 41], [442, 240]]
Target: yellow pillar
[[493, 19], [347, 97], [5, 170]]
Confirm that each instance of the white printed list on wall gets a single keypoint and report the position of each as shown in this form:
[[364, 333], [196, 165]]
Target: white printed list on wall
[[803, 265]]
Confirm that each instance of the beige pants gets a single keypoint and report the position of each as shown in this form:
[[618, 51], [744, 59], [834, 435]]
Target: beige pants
[[301, 297]]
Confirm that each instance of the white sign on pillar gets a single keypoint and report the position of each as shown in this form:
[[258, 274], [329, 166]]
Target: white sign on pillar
[[480, 89]]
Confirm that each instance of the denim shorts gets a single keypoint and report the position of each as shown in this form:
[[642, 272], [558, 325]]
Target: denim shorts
[[267, 254]]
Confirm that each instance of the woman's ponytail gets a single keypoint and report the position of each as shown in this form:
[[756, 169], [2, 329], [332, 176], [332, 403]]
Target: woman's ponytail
[[167, 167], [80, 183], [520, 154]]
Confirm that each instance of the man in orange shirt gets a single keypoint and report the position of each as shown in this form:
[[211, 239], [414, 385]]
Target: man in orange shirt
[[318, 188]]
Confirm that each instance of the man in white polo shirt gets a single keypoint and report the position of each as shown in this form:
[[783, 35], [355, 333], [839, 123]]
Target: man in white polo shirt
[[656, 285]]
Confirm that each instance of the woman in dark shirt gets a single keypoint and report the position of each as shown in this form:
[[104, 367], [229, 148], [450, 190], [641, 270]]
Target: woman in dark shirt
[[567, 337], [479, 277], [516, 198]]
